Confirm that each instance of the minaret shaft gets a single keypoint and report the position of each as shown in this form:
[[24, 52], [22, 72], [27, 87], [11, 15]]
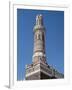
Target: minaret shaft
[[39, 41]]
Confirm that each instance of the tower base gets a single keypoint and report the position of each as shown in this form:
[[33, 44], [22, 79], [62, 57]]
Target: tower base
[[38, 76], [41, 71]]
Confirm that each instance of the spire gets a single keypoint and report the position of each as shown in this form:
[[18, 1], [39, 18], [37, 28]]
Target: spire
[[39, 23], [39, 20]]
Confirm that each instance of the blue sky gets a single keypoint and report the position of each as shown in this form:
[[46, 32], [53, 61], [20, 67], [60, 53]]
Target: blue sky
[[54, 24]]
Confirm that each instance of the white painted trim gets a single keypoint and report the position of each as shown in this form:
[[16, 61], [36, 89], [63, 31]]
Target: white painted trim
[[38, 54], [39, 70], [32, 72]]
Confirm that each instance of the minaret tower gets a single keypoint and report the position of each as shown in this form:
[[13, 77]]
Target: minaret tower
[[39, 55], [39, 69]]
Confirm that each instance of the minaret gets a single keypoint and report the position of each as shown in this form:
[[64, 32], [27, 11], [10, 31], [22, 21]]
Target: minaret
[[39, 69], [39, 55]]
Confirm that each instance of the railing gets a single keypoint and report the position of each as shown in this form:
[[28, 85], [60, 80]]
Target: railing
[[48, 69]]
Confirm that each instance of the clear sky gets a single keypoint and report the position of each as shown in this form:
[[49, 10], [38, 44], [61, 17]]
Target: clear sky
[[54, 24]]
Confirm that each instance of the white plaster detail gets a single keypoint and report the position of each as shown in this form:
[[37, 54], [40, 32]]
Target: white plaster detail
[[39, 70], [39, 54], [31, 73]]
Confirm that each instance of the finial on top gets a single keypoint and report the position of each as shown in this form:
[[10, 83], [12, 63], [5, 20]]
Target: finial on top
[[39, 19]]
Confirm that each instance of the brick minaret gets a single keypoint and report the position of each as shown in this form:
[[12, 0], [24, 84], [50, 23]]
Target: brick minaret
[[39, 41], [39, 69]]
